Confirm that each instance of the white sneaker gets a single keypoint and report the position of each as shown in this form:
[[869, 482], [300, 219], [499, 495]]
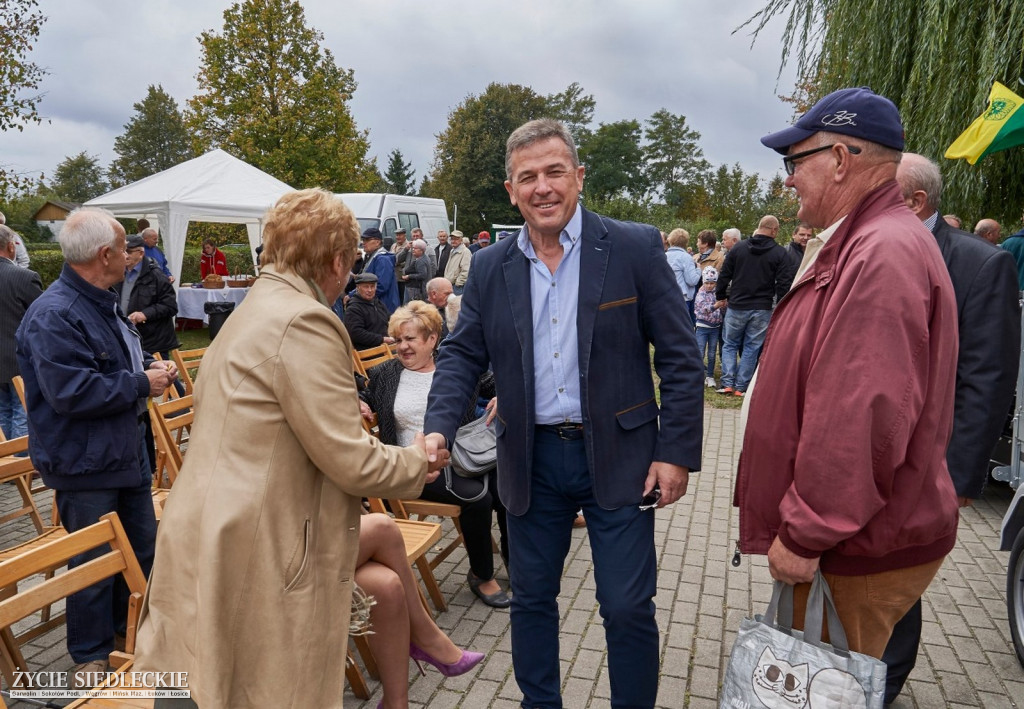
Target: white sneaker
[[710, 382]]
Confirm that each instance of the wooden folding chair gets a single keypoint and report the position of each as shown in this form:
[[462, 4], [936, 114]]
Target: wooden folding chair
[[188, 365], [19, 470], [56, 553], [19, 386], [168, 432], [370, 358]]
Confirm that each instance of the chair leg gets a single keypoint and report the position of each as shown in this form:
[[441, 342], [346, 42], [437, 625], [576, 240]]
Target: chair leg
[[431, 583], [369, 662], [355, 677]]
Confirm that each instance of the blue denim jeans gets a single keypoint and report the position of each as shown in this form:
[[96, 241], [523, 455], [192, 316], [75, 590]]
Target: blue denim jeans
[[94, 614], [707, 339], [12, 414], [625, 575], [742, 329]]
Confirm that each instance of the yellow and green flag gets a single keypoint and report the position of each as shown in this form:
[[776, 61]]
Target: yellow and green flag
[[999, 128]]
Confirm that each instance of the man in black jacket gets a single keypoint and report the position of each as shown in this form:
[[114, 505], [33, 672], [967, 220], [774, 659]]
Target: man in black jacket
[[759, 271], [18, 288], [366, 318], [985, 283], [148, 299]]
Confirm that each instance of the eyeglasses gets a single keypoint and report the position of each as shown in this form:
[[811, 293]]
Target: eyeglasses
[[789, 161]]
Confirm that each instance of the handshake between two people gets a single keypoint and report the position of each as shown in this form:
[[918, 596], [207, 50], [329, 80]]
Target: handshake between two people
[[161, 374]]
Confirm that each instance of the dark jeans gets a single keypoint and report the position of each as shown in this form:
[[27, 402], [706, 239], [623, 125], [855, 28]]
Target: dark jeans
[[96, 613], [625, 572], [475, 519]]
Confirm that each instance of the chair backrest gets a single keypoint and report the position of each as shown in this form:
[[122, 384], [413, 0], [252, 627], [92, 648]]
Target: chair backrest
[[119, 560], [171, 419], [188, 365], [370, 358]]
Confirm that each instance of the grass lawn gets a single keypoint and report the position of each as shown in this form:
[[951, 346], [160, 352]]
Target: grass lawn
[[194, 339]]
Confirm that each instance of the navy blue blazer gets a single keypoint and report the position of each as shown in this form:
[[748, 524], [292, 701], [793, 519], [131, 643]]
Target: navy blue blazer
[[628, 301], [985, 282]]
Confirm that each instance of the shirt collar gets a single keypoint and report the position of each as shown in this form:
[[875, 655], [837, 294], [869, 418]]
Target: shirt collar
[[930, 222], [571, 233]]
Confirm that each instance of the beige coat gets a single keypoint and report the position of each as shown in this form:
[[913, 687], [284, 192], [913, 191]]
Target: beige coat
[[251, 586], [457, 270]]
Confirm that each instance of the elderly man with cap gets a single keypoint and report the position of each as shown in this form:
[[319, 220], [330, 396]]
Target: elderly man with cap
[[483, 240], [457, 270], [858, 490], [366, 318], [148, 299], [379, 262]]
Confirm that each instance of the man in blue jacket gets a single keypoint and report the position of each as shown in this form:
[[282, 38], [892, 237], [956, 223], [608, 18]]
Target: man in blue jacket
[[566, 313], [86, 383], [380, 263]]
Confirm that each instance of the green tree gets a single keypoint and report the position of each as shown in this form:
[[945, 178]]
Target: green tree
[[733, 198], [154, 139], [469, 159], [575, 109], [781, 202], [935, 59], [675, 160], [615, 162], [271, 95], [19, 78], [400, 178], [79, 178]]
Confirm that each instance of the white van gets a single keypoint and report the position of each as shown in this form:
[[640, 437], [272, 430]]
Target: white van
[[388, 212]]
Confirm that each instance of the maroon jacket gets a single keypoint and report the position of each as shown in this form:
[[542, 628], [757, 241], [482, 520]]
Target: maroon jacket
[[844, 455]]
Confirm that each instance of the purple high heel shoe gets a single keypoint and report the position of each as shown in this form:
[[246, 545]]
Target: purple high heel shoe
[[468, 661]]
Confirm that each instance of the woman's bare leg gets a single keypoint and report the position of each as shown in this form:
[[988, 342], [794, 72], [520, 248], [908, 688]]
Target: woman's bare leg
[[380, 541], [389, 640]]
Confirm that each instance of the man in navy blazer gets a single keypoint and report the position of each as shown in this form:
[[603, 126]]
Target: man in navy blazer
[[565, 314]]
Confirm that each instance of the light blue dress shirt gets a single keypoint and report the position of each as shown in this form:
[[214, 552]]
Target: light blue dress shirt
[[555, 300]]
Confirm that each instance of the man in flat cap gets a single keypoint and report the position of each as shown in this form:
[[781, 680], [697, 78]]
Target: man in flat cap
[[366, 318], [380, 263], [857, 382]]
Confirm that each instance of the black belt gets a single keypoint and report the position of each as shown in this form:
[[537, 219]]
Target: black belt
[[566, 431]]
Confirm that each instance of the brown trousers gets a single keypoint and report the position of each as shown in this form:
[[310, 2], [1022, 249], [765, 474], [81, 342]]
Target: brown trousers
[[870, 606]]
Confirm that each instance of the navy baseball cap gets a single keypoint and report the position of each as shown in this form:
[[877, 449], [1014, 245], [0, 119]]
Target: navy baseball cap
[[371, 233], [857, 112]]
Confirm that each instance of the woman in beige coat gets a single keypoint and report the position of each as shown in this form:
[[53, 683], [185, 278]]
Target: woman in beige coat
[[251, 586]]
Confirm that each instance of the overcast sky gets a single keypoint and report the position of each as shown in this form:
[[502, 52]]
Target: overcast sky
[[415, 61]]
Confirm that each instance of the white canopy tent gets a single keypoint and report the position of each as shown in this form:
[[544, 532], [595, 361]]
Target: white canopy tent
[[214, 187]]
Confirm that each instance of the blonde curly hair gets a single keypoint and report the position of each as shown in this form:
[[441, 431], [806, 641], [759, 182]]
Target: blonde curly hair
[[306, 229]]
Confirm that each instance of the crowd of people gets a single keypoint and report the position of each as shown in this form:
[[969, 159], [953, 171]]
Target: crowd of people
[[877, 301]]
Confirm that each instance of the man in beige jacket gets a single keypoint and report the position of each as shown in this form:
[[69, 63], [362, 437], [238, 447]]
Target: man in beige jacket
[[457, 270]]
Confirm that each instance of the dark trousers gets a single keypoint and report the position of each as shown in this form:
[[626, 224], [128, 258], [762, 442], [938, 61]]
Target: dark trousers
[[474, 518], [96, 613], [901, 653], [625, 570]]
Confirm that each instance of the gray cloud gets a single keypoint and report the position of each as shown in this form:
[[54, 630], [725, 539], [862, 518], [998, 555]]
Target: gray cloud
[[415, 62]]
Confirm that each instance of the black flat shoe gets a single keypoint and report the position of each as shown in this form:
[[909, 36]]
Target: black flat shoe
[[499, 599]]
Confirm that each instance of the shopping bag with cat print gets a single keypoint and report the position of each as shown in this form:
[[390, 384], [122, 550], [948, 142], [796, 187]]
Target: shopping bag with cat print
[[774, 666]]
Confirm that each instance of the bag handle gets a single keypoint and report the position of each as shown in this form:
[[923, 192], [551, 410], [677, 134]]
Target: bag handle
[[819, 604], [819, 599]]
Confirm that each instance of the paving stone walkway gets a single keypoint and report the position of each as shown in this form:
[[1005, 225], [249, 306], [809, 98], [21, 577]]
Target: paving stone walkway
[[966, 657]]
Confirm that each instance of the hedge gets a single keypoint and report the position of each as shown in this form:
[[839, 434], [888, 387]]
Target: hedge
[[47, 262]]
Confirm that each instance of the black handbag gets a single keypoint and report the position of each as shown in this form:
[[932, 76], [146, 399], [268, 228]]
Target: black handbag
[[474, 454]]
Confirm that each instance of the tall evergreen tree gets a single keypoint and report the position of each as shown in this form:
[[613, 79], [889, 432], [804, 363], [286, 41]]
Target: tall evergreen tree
[[615, 162], [272, 96], [154, 139], [935, 59], [400, 177]]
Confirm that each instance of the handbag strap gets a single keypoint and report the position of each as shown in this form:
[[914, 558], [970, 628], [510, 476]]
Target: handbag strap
[[820, 598], [448, 472]]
